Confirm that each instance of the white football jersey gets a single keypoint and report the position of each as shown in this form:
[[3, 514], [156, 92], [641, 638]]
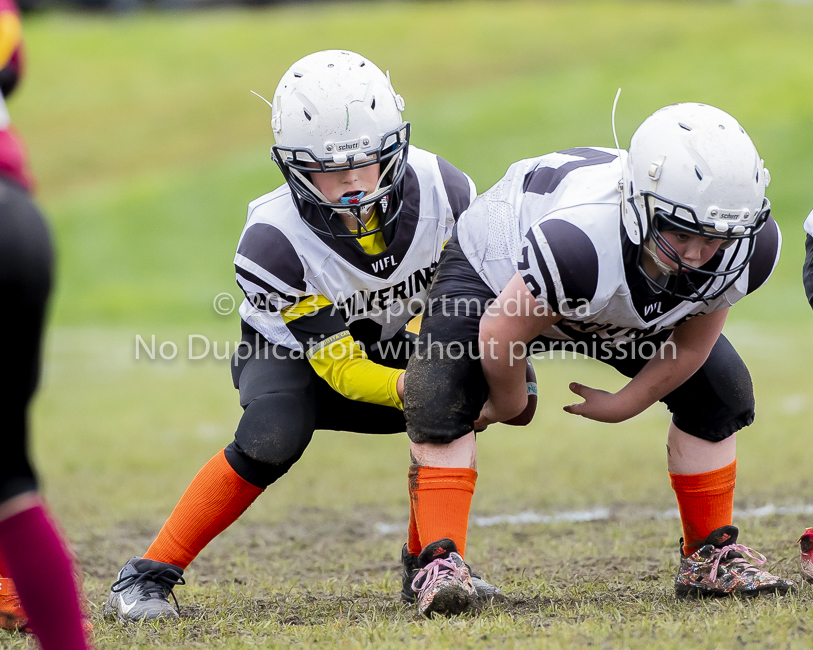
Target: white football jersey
[[281, 262], [808, 225], [557, 219]]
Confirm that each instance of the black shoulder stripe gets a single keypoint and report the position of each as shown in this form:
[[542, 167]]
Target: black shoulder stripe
[[267, 247], [550, 289], [457, 187], [575, 257], [807, 271], [765, 252], [544, 180], [250, 277], [267, 288]]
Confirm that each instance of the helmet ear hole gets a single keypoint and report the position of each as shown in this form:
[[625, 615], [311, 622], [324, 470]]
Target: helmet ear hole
[[372, 105]]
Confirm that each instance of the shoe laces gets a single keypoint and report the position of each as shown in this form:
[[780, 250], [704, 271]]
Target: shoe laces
[[720, 553], [154, 583], [436, 570]]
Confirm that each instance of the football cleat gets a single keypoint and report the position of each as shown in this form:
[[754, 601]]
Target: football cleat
[[12, 616], [805, 543], [485, 590], [443, 583], [143, 589], [718, 568], [409, 563]]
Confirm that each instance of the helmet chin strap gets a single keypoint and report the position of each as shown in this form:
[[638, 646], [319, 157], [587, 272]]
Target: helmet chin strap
[[652, 250], [650, 246]]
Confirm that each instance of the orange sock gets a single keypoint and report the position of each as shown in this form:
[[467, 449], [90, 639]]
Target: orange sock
[[214, 500], [705, 501], [441, 499]]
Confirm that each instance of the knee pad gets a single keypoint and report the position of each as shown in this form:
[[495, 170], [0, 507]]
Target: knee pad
[[443, 397], [272, 435]]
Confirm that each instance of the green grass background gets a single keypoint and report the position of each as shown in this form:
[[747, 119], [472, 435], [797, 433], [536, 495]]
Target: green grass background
[[148, 145]]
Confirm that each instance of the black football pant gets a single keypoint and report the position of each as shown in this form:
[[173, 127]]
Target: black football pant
[[284, 401], [25, 282]]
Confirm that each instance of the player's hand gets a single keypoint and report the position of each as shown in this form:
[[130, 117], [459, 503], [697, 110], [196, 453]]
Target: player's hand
[[599, 405], [486, 417]]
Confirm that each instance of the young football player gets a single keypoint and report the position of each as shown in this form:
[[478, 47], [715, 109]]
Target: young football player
[[38, 592], [333, 264], [633, 259]]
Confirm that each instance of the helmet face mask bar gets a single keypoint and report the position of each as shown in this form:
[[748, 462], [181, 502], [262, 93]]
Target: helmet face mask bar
[[680, 281], [298, 163]]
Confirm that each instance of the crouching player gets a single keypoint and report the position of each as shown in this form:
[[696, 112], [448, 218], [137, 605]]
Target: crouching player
[[333, 264], [636, 257]]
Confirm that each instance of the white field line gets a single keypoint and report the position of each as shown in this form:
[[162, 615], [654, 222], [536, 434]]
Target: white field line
[[603, 513]]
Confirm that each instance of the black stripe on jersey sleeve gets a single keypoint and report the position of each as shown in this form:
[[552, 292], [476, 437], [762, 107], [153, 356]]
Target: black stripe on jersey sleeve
[[544, 180], [260, 300], [267, 247], [765, 251], [457, 187], [807, 271], [550, 289], [575, 257], [314, 328]]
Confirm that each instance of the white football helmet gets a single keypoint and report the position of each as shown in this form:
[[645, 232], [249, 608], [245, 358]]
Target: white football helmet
[[692, 167], [333, 111]]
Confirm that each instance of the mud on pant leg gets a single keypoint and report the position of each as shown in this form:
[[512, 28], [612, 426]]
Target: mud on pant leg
[[444, 386], [443, 397], [278, 395]]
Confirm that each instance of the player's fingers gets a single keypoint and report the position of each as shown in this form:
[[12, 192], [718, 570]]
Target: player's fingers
[[574, 409], [579, 389]]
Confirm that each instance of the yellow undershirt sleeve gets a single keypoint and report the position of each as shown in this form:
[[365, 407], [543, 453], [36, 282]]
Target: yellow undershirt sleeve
[[344, 365], [308, 305]]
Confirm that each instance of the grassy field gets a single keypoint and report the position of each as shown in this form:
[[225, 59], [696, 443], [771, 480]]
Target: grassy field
[[148, 146]]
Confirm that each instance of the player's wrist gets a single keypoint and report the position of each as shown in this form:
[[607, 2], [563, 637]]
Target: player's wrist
[[629, 403], [504, 405]]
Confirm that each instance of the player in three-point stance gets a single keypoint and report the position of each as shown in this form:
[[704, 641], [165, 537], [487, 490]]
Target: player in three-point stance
[[333, 264], [631, 258]]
